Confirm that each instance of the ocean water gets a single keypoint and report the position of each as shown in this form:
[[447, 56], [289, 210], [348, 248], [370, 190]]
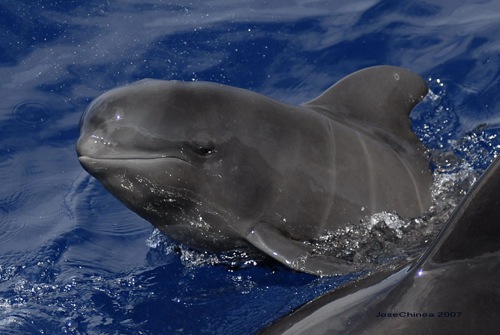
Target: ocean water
[[73, 260]]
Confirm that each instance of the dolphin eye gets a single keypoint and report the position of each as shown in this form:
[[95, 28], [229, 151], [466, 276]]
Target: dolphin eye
[[203, 149]]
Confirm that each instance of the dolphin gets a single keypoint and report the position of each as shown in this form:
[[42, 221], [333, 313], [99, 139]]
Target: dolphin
[[220, 168], [453, 288]]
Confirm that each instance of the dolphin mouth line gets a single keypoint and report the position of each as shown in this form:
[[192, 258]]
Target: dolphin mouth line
[[97, 159]]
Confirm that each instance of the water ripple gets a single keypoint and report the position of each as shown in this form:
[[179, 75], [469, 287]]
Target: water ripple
[[99, 212], [10, 229], [14, 201], [33, 113]]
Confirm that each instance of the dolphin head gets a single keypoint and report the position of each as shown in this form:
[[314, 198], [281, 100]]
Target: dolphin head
[[184, 156], [147, 120]]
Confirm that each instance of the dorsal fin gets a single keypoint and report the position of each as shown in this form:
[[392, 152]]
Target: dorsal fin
[[380, 97]]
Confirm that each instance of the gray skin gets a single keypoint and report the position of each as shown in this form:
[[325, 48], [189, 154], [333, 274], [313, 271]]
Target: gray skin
[[218, 168], [456, 280]]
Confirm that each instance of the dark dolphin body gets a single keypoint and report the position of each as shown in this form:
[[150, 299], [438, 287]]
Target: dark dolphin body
[[218, 168], [454, 288]]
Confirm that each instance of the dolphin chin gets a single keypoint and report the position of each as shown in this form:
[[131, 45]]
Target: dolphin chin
[[272, 175]]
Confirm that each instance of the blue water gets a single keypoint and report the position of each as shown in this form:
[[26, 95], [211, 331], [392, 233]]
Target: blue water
[[73, 260]]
